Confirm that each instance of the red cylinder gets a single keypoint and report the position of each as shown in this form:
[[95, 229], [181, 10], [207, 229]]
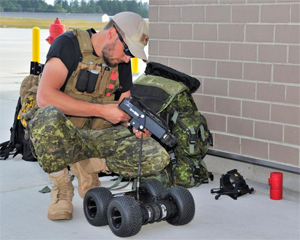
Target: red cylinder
[[275, 180], [55, 30]]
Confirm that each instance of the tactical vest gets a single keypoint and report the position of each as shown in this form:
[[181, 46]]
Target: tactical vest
[[93, 81]]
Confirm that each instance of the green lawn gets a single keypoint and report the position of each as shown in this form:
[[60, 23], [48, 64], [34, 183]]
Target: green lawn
[[6, 22]]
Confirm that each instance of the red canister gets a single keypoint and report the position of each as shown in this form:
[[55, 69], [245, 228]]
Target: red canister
[[275, 181]]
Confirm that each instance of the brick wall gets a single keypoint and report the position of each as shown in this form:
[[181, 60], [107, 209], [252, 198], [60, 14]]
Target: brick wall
[[246, 53]]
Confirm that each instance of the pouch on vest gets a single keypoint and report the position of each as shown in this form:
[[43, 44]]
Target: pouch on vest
[[92, 81]]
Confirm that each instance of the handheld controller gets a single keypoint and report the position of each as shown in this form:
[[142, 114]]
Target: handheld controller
[[145, 118]]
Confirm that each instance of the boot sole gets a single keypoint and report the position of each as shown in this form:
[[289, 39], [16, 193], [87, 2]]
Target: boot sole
[[60, 216]]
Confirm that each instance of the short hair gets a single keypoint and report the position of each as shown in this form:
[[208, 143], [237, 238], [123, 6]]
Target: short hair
[[111, 24]]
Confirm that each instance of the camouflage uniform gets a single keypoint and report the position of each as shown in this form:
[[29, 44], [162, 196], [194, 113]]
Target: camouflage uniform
[[58, 143]]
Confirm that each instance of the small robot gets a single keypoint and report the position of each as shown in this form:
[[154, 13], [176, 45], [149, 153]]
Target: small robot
[[150, 202], [126, 213]]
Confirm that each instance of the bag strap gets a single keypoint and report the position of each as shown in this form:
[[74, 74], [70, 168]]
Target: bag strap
[[5, 150], [192, 131], [196, 180], [117, 183], [84, 41]]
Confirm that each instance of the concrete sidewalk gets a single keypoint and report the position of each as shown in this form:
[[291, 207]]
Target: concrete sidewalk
[[255, 216], [23, 209]]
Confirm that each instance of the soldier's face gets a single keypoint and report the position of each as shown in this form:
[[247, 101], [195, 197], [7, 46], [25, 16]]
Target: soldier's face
[[113, 54]]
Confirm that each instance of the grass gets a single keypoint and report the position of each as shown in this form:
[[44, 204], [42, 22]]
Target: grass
[[10, 22]]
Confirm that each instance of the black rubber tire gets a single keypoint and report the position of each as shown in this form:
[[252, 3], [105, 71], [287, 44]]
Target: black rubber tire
[[95, 205], [185, 204], [124, 216], [154, 187]]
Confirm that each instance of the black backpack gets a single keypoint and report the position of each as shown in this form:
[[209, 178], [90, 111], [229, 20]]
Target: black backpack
[[17, 143]]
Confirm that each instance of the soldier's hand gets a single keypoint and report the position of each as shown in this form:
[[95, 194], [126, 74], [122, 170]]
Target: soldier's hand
[[114, 114], [145, 133]]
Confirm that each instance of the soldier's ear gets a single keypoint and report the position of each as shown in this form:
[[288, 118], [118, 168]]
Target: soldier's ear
[[112, 33]]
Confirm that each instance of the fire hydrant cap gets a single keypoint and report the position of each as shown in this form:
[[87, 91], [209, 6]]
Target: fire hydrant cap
[[55, 29], [57, 21]]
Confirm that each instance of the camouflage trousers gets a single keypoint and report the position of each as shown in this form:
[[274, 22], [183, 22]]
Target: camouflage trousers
[[58, 143]]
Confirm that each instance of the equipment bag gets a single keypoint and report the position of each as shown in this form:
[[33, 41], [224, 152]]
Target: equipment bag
[[172, 100], [17, 143], [19, 140]]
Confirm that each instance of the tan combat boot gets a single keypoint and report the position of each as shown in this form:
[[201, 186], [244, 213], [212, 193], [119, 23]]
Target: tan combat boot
[[86, 172], [62, 193]]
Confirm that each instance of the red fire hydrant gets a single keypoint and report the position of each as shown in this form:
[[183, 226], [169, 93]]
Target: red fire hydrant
[[55, 30], [275, 181]]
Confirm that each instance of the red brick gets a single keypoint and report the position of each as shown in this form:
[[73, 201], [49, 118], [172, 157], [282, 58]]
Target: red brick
[[205, 2], [215, 87], [191, 49], [258, 71], [181, 31], [242, 89], [200, 89], [243, 127], [269, 131], [295, 13], [228, 106], [287, 1], [159, 31], [227, 143], [203, 68], [275, 13], [153, 47], [286, 73], [162, 60], [229, 69], [271, 92], [204, 103], [243, 52], [169, 48], [284, 154], [285, 114], [232, 1], [256, 110], [159, 2], [216, 50], [192, 13], [218, 13], [287, 34], [292, 135], [231, 32], [293, 95], [245, 14], [259, 33], [254, 148], [215, 122], [182, 65], [153, 14], [261, 1], [272, 53], [205, 32], [170, 14], [177, 2], [294, 54]]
